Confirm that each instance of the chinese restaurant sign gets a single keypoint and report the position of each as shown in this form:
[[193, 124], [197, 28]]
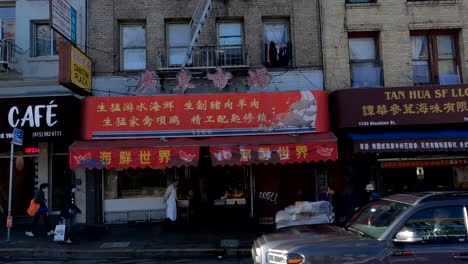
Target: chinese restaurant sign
[[287, 153], [205, 114], [411, 145], [124, 158], [400, 106], [424, 163], [74, 69], [63, 19]]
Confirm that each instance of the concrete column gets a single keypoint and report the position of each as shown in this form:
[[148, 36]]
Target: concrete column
[[80, 197], [43, 167]]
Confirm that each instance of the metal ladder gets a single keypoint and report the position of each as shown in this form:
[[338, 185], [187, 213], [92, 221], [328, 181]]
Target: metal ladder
[[201, 14]]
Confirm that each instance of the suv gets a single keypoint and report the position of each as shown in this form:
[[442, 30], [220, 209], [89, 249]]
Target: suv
[[427, 227]]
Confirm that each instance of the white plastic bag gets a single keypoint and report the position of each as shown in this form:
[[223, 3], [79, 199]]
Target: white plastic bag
[[59, 232]]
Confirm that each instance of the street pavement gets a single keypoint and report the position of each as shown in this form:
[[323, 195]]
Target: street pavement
[[126, 243]]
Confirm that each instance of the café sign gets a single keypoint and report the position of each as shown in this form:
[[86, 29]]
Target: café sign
[[370, 107]]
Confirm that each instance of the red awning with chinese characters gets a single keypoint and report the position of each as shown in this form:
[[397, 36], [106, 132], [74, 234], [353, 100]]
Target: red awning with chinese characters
[[177, 152], [123, 154], [275, 149]]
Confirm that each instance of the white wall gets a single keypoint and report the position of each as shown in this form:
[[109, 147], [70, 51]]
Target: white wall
[[36, 10]]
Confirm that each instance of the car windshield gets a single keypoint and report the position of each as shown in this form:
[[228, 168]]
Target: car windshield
[[373, 219]]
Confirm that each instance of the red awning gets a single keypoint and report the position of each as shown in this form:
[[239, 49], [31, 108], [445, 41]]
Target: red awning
[[232, 150]]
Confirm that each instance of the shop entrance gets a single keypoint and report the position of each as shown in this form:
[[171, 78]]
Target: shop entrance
[[399, 179], [221, 195]]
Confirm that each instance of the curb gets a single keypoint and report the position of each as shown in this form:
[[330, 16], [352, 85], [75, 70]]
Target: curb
[[168, 253]]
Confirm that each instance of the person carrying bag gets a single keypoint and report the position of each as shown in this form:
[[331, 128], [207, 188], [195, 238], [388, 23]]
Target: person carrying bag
[[39, 198], [69, 211]]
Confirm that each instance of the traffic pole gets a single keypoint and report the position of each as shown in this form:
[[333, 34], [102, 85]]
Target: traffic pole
[[9, 219]]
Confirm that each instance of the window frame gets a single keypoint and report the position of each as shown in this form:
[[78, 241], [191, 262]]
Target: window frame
[[377, 61], [416, 212], [433, 59], [287, 23], [122, 49], [53, 52], [168, 44], [224, 48]]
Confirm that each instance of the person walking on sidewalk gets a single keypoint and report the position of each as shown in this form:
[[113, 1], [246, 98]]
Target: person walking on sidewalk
[[69, 211], [170, 200], [39, 197]]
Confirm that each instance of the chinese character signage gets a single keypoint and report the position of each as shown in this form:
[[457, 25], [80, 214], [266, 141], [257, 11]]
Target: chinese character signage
[[74, 69], [41, 118], [63, 19], [411, 145], [205, 114], [123, 158], [277, 153], [400, 106]]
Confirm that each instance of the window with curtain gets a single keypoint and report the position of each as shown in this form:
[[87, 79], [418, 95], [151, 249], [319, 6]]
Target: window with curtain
[[7, 22], [43, 40], [178, 40], [277, 47], [364, 62], [230, 43], [133, 54], [434, 58], [420, 60]]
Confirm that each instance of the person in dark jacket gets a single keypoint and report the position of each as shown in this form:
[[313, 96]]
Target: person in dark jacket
[[69, 211], [40, 198]]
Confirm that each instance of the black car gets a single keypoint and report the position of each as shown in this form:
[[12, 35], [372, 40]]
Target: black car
[[427, 227]]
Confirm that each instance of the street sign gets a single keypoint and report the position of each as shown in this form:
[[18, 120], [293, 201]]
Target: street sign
[[9, 222], [17, 136]]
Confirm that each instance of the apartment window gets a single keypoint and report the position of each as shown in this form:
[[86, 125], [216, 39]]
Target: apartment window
[[230, 43], [277, 47], [44, 40], [133, 53], [7, 22], [434, 58], [366, 70], [178, 42]]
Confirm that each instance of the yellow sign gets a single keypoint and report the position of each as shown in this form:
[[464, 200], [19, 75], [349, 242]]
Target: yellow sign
[[80, 69]]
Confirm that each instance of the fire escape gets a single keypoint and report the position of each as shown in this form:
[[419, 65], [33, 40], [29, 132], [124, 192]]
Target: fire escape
[[199, 59]]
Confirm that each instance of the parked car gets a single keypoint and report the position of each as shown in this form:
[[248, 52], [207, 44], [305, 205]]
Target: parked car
[[427, 227]]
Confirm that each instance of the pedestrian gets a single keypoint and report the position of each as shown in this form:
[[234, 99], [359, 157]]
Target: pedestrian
[[40, 198], [326, 194], [372, 194], [69, 211], [170, 200]]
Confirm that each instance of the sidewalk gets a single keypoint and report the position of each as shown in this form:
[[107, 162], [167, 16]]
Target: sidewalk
[[159, 240]]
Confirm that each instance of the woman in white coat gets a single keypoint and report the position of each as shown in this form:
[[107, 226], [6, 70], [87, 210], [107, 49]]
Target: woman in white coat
[[170, 199]]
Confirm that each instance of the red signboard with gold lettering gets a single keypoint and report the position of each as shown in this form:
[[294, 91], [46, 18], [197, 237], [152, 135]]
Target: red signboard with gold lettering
[[205, 114], [123, 158], [273, 154]]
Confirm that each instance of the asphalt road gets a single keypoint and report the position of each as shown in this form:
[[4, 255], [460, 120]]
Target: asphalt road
[[130, 261]]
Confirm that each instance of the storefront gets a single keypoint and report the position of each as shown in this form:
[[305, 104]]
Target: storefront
[[226, 150], [405, 138], [49, 127]]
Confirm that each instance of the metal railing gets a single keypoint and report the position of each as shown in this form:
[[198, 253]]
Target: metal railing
[[10, 55], [205, 57]]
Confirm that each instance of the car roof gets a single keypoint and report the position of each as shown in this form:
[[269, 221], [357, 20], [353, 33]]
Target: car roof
[[414, 198]]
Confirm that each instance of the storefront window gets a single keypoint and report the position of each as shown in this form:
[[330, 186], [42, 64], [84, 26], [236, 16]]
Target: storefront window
[[136, 183]]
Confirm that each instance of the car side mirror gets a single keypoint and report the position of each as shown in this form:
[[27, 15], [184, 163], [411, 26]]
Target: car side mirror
[[408, 235]]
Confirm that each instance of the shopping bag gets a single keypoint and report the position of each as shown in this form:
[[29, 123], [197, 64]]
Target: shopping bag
[[33, 208], [59, 232]]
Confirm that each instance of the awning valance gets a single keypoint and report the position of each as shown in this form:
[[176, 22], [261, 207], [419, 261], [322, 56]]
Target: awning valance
[[410, 141], [177, 152]]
